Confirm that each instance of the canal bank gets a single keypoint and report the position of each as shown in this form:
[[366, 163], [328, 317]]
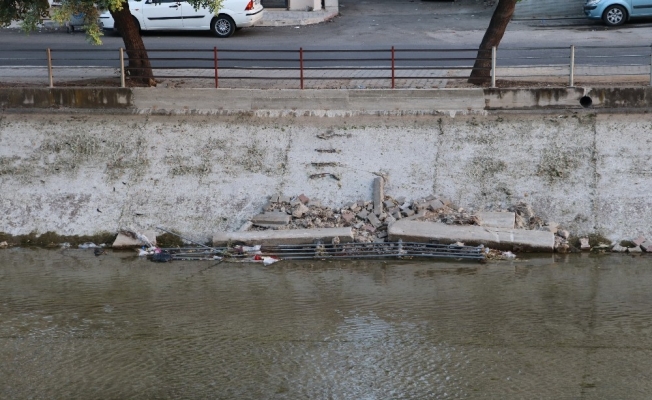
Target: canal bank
[[84, 170]]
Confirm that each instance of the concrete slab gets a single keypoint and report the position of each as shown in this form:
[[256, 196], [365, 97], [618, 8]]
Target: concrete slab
[[123, 241], [497, 219], [495, 238], [290, 236]]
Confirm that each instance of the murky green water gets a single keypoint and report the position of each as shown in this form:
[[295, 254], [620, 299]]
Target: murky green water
[[73, 325]]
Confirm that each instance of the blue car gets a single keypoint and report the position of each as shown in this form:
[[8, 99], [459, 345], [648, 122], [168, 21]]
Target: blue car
[[617, 12]]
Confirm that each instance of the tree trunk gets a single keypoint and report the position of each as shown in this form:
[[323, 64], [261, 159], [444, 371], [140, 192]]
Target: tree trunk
[[139, 68], [481, 72]]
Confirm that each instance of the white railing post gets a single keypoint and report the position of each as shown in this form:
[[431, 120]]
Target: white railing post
[[571, 78], [122, 67], [493, 67], [50, 77]]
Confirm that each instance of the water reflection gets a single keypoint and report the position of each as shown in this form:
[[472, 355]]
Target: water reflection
[[73, 325]]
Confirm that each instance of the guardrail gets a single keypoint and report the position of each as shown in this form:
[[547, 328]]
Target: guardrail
[[312, 68]]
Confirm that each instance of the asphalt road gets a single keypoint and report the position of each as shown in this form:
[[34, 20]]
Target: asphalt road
[[367, 30]]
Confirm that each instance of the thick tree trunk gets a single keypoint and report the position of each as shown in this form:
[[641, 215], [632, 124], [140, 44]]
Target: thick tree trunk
[[140, 69], [481, 72]]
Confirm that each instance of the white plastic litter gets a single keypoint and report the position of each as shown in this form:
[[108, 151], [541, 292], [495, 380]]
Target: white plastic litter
[[509, 255], [88, 245], [269, 260]]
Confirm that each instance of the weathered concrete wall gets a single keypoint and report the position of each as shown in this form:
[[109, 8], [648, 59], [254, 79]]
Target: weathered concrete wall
[[81, 174], [550, 9]]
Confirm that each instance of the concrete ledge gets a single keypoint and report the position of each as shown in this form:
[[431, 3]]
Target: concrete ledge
[[324, 102], [495, 238], [289, 236], [65, 97]]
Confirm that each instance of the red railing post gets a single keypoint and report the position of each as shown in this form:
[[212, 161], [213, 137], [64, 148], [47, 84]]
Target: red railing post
[[301, 65], [215, 64], [393, 76]]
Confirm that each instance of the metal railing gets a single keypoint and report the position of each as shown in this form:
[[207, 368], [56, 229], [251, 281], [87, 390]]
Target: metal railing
[[311, 68]]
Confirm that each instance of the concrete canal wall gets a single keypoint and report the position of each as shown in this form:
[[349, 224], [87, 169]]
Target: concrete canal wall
[[84, 172]]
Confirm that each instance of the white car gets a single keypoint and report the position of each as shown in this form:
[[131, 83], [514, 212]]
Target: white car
[[154, 15]]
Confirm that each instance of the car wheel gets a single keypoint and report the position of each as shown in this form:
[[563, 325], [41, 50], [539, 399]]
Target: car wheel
[[614, 16], [222, 26]]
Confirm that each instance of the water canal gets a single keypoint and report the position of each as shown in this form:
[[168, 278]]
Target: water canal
[[76, 326]]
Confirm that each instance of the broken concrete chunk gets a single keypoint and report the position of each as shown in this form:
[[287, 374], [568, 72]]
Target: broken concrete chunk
[[374, 220], [303, 198], [290, 236], [584, 244], [430, 198], [405, 206], [639, 240], [246, 226], [300, 211], [369, 228], [283, 199], [435, 205], [271, 218], [565, 234], [388, 203], [397, 215], [378, 194], [447, 202], [495, 238], [647, 246], [126, 241], [273, 199], [418, 215], [497, 219], [363, 214], [408, 212], [355, 207], [619, 249], [348, 216], [635, 249], [315, 203], [552, 227], [400, 200]]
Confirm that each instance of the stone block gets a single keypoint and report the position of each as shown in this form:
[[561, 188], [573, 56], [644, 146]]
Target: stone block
[[369, 228], [123, 241], [388, 203], [300, 211], [406, 205], [647, 246], [497, 219], [408, 212], [397, 215], [358, 225], [635, 249], [288, 236], [348, 216], [274, 199], [271, 218], [435, 205], [361, 203], [315, 203], [565, 234], [374, 220], [639, 240], [400, 200], [363, 214], [619, 249], [303, 198], [420, 214], [584, 244], [355, 207], [378, 194], [495, 238], [284, 199]]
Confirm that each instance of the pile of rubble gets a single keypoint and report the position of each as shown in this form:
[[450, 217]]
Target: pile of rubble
[[369, 220]]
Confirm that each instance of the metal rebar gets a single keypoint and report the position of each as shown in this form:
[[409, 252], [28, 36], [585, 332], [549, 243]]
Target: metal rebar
[[50, 76], [493, 66], [215, 65], [393, 68], [571, 78], [122, 67], [301, 64]]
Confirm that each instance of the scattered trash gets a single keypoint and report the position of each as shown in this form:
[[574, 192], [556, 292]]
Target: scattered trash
[[65, 245], [509, 255], [88, 245], [4, 244]]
